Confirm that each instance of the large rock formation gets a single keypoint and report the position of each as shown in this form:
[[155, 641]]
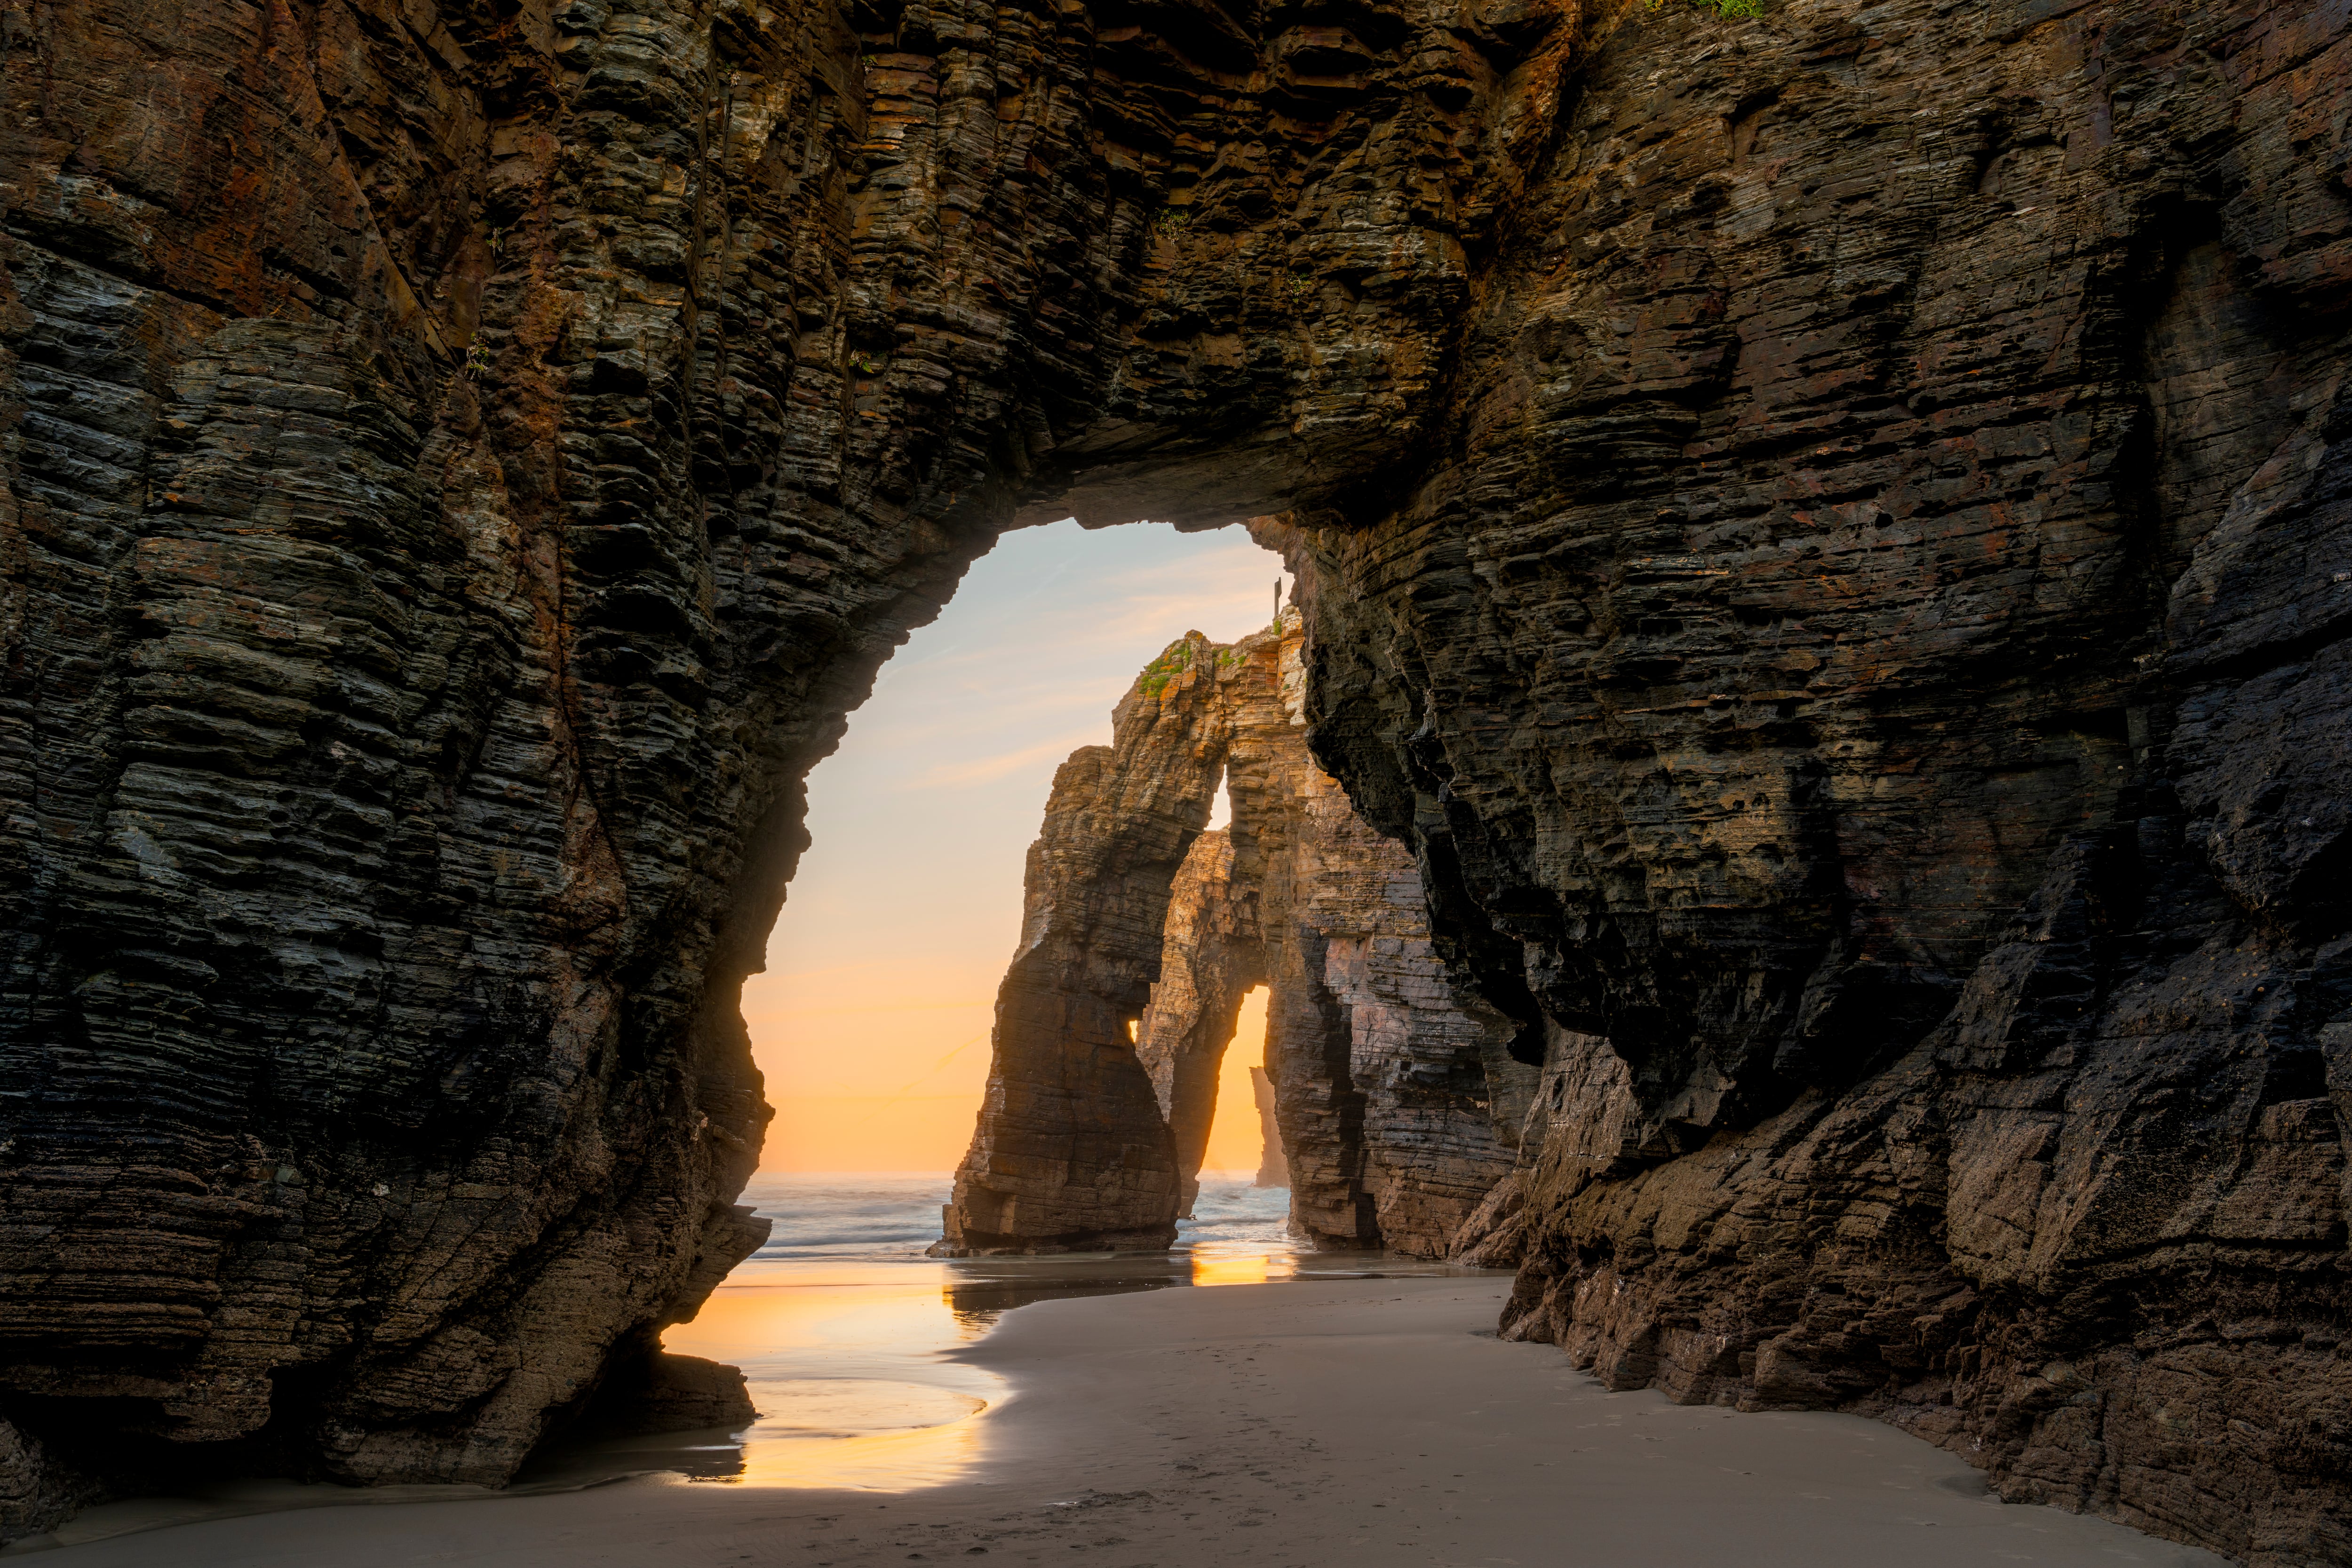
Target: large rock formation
[[1824, 533], [1872, 680], [1397, 1104], [1072, 1150]]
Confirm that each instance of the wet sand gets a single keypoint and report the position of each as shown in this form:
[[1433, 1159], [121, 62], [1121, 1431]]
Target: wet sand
[[1370, 1422]]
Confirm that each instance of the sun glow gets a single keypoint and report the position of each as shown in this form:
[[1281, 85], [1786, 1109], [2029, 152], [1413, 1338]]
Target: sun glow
[[836, 1423], [872, 1023], [1234, 1144], [1253, 1270]]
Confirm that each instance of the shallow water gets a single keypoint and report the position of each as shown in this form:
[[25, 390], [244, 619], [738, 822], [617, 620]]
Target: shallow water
[[845, 1330]]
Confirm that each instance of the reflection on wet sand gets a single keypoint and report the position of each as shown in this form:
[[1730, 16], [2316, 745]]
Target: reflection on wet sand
[[851, 1365], [1256, 1271], [861, 1433], [846, 1334], [980, 1290], [847, 1366]]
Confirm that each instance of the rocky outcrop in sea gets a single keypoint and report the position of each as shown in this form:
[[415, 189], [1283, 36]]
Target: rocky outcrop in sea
[[1395, 1102]]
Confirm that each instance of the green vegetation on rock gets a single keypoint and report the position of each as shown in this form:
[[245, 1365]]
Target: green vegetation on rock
[[1175, 661]]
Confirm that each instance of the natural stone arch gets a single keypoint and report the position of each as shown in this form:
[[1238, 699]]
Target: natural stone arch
[[1397, 1102], [1212, 957], [444, 530], [1819, 530]]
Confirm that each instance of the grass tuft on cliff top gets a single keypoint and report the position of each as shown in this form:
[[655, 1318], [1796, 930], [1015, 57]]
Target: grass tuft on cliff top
[[1162, 670]]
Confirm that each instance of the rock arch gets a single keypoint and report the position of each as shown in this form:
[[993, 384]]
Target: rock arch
[[1822, 531], [1396, 1099]]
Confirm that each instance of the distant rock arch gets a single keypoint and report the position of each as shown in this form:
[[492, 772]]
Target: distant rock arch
[[1395, 1096]]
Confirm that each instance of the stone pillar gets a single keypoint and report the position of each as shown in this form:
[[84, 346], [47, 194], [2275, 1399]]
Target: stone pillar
[[1072, 1152], [1210, 957], [1395, 1104], [1273, 1166]]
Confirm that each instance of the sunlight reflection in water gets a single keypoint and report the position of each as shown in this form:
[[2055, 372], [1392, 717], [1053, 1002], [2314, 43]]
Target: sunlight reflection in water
[[845, 1330], [847, 1367]]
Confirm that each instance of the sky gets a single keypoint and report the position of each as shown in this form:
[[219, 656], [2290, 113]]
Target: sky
[[871, 1023]]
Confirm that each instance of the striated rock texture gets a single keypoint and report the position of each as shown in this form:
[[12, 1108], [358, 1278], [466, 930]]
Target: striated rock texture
[[458, 463], [1212, 954], [1868, 679], [1825, 534], [1072, 1149], [1393, 1099]]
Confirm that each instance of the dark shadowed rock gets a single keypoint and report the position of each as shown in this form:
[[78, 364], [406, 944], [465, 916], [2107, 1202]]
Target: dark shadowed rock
[[657, 1392], [1273, 1166]]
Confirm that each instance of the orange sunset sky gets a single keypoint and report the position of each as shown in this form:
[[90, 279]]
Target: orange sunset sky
[[872, 1020]]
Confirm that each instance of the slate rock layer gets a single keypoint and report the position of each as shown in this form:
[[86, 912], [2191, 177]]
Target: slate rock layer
[[1823, 532], [1872, 669], [1273, 1166]]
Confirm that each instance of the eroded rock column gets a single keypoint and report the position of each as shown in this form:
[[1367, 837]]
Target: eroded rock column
[[1395, 1102], [1072, 1151], [1212, 954]]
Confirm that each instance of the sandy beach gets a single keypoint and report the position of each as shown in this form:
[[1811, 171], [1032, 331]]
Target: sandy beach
[[1367, 1422]]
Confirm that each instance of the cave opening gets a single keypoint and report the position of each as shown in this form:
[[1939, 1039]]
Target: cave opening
[[872, 1020]]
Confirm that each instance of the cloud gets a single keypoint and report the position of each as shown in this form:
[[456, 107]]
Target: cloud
[[986, 769]]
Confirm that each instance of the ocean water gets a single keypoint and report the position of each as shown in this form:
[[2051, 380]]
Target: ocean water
[[887, 1215], [846, 1332]]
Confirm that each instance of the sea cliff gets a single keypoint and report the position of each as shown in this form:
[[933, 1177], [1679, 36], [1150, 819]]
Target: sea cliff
[[1823, 535]]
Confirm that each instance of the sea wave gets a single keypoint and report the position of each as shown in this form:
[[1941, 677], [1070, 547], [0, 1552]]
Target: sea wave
[[846, 1216]]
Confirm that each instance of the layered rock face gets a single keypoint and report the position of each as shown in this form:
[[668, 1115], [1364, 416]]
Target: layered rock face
[[1823, 533], [460, 465], [1393, 1098], [1869, 690], [1212, 956], [1072, 1149]]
